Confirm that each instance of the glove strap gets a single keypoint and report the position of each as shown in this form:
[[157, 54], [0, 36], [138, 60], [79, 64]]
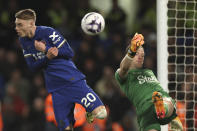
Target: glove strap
[[130, 53], [127, 56]]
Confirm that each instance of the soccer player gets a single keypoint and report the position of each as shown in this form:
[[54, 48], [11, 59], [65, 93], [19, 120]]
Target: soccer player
[[45, 48], [154, 107]]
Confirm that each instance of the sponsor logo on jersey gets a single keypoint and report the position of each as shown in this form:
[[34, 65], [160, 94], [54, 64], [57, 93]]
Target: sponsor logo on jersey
[[142, 79], [55, 37], [39, 55]]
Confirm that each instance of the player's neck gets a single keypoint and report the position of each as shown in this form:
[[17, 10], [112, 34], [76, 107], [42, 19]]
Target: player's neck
[[132, 67], [32, 32]]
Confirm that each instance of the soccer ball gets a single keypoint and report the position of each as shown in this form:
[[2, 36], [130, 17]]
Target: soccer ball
[[93, 23]]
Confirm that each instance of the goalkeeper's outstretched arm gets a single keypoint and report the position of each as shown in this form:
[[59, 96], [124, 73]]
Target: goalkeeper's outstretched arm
[[124, 66], [127, 62]]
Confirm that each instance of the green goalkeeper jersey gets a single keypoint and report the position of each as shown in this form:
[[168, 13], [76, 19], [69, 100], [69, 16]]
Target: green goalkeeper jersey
[[138, 86]]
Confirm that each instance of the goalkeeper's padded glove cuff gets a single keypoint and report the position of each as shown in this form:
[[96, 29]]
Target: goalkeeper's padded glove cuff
[[130, 53]]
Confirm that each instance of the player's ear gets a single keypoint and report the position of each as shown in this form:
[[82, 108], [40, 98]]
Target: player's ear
[[32, 22]]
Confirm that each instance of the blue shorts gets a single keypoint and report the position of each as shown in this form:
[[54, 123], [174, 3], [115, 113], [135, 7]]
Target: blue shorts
[[64, 101]]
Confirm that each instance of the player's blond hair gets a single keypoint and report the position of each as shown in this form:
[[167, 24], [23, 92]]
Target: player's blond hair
[[26, 14]]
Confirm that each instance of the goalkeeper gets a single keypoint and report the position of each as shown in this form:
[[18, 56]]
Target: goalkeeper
[[154, 107]]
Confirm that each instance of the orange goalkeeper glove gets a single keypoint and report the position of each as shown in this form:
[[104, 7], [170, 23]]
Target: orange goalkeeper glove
[[136, 42]]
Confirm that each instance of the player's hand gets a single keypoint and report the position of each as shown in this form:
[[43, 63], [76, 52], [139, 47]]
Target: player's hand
[[40, 46], [52, 52], [176, 125], [136, 42]]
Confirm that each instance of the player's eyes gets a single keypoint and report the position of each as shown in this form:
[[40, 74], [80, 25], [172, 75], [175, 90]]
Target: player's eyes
[[18, 25], [138, 54]]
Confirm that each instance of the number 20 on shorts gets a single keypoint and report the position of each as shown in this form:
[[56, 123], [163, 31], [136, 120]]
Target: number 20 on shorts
[[88, 99]]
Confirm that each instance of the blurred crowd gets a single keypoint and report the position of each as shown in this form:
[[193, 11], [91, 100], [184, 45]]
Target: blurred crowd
[[23, 93]]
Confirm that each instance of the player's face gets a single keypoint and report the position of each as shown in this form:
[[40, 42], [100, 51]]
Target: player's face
[[138, 60], [23, 27]]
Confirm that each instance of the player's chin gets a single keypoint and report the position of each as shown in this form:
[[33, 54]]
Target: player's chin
[[140, 65], [19, 34]]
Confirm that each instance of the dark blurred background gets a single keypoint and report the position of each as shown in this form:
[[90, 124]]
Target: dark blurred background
[[23, 93]]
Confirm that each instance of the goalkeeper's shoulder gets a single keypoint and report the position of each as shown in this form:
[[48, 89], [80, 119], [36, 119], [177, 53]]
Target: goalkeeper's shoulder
[[119, 78]]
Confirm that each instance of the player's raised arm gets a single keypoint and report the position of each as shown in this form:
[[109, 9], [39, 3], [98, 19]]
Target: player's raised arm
[[33, 62], [128, 61]]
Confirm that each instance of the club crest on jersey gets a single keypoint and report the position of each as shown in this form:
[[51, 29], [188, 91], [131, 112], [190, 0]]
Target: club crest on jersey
[[54, 37], [142, 79]]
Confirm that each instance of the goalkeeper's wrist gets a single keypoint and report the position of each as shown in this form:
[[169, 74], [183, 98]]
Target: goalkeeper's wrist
[[129, 57], [130, 53]]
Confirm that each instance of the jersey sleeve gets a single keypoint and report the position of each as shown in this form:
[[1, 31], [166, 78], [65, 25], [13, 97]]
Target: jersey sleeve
[[57, 40], [34, 64], [118, 79]]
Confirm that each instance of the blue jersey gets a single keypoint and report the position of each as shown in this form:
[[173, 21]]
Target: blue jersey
[[60, 71]]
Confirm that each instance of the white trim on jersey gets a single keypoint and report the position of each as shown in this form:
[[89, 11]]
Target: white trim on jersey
[[27, 55], [61, 43]]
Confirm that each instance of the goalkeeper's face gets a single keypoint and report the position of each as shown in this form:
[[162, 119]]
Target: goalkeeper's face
[[138, 59], [23, 27]]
